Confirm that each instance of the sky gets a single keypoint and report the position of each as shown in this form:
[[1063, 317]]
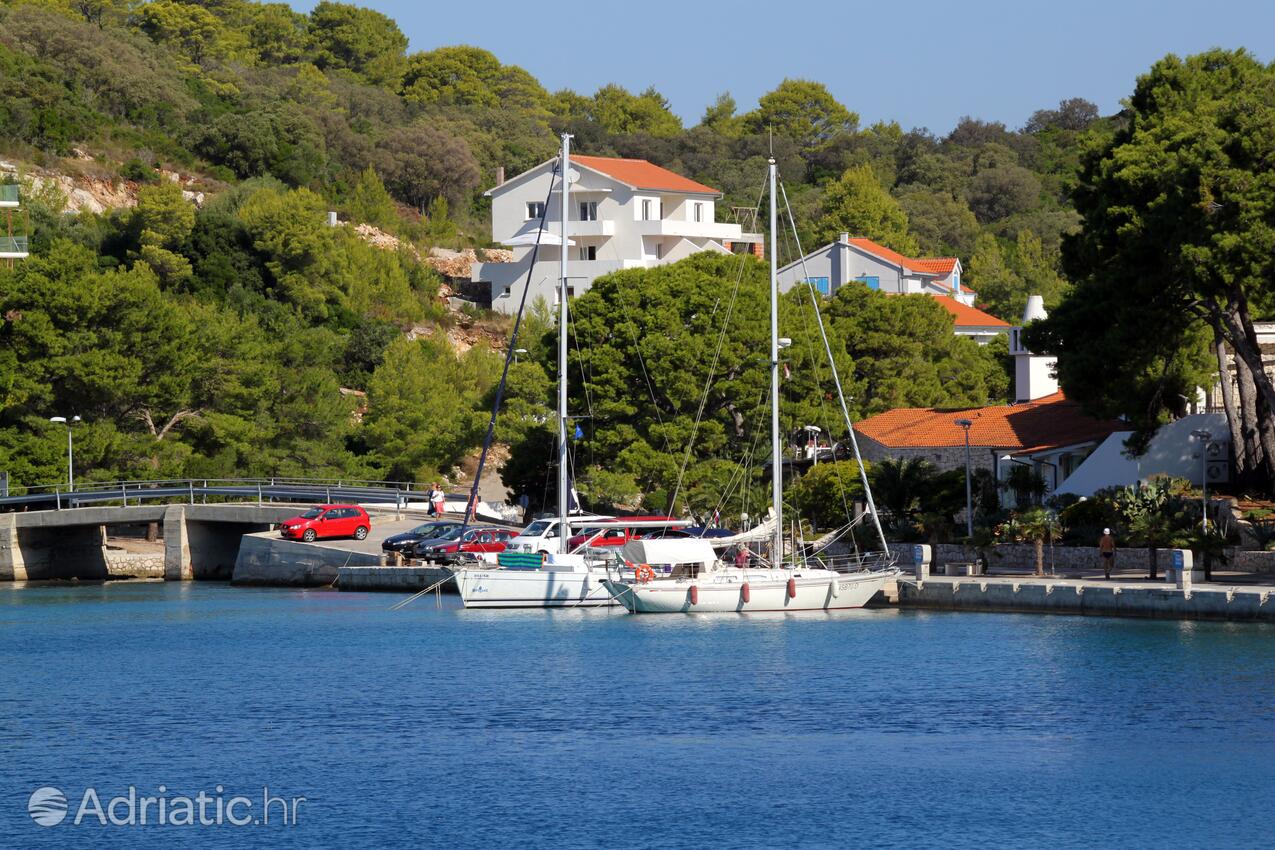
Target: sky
[[922, 63]]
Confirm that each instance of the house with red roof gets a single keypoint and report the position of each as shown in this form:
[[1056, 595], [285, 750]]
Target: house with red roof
[[624, 213], [1043, 430], [1051, 435], [862, 262]]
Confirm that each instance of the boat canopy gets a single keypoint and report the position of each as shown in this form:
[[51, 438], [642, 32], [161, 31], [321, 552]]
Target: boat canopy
[[670, 551]]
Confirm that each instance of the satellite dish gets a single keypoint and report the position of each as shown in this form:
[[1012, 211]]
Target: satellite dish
[[573, 176]]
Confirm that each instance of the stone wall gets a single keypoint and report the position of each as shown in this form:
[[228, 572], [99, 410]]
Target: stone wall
[[943, 457], [267, 559], [122, 564]]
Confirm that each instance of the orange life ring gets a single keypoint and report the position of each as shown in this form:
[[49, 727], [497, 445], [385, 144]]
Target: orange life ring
[[643, 573]]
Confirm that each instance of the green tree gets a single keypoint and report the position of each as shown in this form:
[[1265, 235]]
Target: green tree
[[857, 204], [423, 407], [942, 224], [720, 116], [190, 28], [360, 40], [802, 110], [1000, 289], [616, 110], [826, 493], [422, 162], [1177, 213], [370, 202], [899, 485]]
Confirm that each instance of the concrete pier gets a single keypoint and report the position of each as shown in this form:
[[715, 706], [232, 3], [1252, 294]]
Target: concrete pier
[[393, 579], [1098, 597]]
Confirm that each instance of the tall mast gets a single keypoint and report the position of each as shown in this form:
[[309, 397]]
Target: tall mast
[[776, 459], [564, 475]]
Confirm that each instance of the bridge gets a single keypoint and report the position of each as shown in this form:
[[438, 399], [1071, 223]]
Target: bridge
[[54, 533]]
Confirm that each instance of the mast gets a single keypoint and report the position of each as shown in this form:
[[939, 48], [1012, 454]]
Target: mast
[[776, 458], [564, 476]]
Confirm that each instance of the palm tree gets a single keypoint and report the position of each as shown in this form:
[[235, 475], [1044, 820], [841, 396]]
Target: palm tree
[[898, 484], [1037, 526]]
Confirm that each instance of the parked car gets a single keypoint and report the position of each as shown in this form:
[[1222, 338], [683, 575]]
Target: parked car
[[474, 540], [327, 521], [542, 535], [615, 532], [428, 531]]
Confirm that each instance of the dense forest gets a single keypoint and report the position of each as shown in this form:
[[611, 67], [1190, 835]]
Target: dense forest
[[244, 336]]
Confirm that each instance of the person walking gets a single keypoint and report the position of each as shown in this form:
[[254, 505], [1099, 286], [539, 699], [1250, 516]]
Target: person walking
[[1107, 550]]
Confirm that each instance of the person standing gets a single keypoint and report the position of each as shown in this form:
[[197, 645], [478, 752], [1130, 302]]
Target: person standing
[[1107, 550], [437, 500]]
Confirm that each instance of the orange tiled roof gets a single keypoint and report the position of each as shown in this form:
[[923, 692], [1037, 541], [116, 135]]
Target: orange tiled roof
[[925, 265], [935, 265], [641, 174], [967, 316], [1049, 422]]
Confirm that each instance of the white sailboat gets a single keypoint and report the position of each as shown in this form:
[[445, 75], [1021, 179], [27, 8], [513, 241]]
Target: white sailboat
[[561, 579], [696, 581]]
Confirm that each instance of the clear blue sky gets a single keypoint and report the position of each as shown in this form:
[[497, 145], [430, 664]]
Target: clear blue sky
[[922, 63]]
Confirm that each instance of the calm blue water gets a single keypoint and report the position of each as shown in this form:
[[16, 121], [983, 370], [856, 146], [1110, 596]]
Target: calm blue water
[[450, 728]]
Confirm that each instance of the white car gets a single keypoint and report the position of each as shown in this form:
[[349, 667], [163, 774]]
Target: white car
[[542, 535]]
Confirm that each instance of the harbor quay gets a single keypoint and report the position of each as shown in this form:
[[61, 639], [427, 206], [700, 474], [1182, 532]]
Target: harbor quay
[[238, 543]]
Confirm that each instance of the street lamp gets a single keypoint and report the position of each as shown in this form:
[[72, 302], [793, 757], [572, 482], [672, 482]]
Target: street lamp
[[966, 424], [518, 351], [1205, 438], [70, 449]]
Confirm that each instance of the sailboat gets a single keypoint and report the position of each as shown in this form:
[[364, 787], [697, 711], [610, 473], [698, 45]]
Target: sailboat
[[561, 578], [679, 577]]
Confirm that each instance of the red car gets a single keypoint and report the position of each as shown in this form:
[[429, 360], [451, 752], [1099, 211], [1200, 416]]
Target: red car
[[327, 521], [614, 532], [474, 540]]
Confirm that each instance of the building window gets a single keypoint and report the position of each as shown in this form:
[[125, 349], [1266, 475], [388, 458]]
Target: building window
[[588, 210], [821, 284], [699, 212], [646, 209], [872, 281], [588, 252], [535, 209]]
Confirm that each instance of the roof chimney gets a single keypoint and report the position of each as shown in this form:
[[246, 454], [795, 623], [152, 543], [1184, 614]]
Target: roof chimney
[[500, 175], [1035, 309], [845, 237], [332, 220]]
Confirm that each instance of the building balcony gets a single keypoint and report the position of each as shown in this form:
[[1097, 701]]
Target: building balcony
[[13, 247], [10, 195], [720, 230]]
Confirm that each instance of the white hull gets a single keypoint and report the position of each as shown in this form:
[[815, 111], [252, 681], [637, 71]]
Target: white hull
[[500, 588], [722, 591]]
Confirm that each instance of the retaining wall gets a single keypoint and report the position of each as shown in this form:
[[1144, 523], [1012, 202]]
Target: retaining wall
[[393, 579], [266, 559]]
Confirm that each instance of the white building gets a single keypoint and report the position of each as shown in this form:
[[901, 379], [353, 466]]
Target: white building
[[624, 213], [1034, 374], [864, 262]]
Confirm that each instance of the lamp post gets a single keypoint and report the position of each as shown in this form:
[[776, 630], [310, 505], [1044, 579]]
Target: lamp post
[[966, 424], [1205, 438], [518, 351], [70, 449]]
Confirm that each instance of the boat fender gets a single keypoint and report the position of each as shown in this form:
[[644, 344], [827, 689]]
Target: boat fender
[[834, 588], [694, 594], [792, 588], [745, 593]]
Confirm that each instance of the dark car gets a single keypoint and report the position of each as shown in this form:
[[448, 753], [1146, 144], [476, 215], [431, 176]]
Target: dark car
[[473, 542], [420, 547], [428, 531]]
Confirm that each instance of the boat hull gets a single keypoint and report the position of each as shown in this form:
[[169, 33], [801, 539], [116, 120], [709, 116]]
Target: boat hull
[[767, 591], [500, 588]]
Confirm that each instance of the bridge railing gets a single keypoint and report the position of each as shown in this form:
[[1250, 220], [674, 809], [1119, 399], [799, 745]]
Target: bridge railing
[[191, 490]]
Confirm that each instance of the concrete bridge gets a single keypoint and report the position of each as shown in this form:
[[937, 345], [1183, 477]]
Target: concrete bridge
[[200, 541]]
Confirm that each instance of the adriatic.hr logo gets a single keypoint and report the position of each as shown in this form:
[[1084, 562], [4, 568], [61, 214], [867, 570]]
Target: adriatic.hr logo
[[47, 806]]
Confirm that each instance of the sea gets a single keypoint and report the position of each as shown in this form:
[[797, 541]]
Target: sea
[[151, 714]]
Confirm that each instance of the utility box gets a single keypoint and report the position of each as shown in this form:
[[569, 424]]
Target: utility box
[[1183, 570], [922, 557]]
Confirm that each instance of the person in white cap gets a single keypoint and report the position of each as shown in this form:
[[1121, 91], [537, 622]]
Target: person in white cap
[[1107, 548]]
